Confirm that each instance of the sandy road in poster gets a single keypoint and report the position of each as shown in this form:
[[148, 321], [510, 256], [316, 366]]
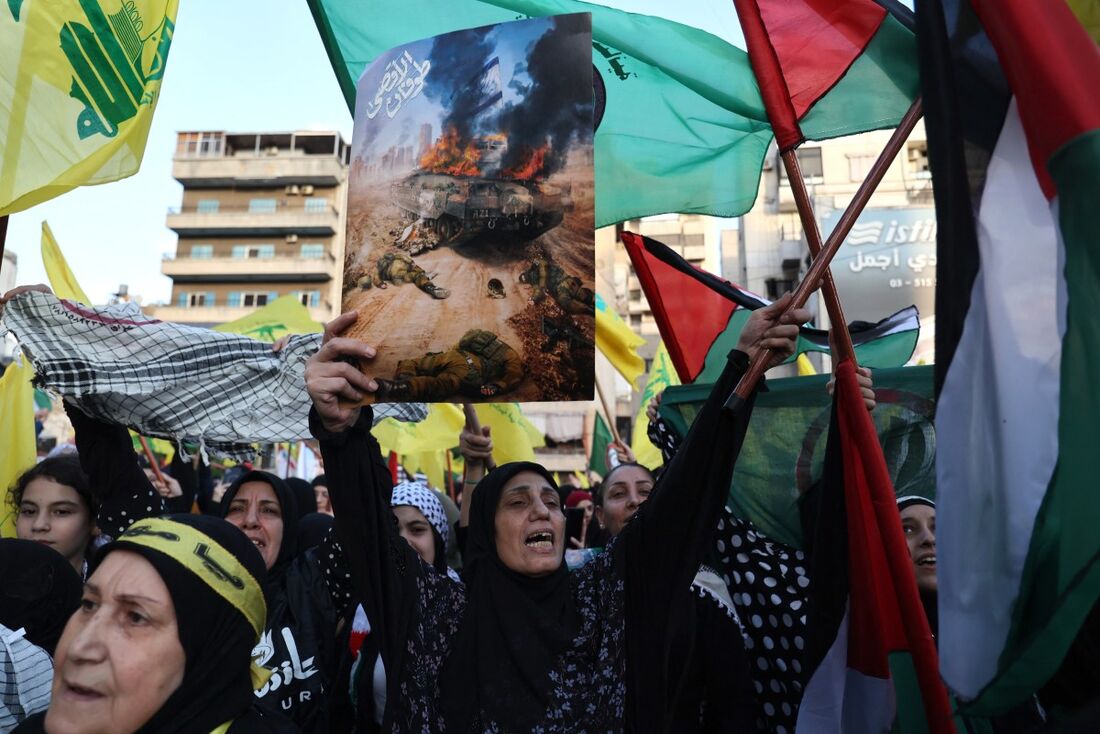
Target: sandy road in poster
[[470, 230]]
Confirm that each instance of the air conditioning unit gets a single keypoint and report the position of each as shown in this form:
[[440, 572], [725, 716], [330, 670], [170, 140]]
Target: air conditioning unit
[[292, 190], [273, 150], [291, 238], [307, 190]]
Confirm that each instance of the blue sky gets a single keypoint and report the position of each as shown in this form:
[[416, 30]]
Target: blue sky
[[234, 65]]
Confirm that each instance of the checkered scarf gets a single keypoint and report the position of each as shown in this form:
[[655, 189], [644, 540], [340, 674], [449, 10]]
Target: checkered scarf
[[419, 496], [222, 391]]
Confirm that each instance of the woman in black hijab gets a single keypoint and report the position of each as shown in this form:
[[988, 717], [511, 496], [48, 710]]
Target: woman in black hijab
[[525, 646], [186, 591], [39, 590], [306, 593]]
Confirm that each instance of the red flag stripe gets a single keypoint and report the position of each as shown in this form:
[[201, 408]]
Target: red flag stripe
[[799, 49], [689, 315], [862, 450], [1052, 66]]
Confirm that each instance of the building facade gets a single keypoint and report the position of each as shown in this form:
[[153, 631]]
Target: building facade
[[262, 216]]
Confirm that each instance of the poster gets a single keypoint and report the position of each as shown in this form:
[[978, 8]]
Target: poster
[[470, 228]]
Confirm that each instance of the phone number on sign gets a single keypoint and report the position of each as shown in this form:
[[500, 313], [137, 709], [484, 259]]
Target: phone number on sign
[[914, 283]]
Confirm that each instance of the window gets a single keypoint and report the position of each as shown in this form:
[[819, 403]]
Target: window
[[316, 205], [253, 252], [255, 299], [918, 159], [809, 160], [202, 252], [199, 144], [309, 298], [195, 300], [312, 251], [859, 166], [208, 206], [262, 206]]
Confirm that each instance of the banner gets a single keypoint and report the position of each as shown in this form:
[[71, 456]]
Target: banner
[[470, 215]]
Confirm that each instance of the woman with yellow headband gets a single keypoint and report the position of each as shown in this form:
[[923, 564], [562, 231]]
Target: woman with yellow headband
[[163, 638]]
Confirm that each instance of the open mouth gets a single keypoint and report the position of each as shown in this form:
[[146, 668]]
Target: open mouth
[[81, 693], [259, 543], [541, 540], [928, 561]]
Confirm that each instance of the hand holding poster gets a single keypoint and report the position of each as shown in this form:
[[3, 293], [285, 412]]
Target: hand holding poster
[[470, 246]]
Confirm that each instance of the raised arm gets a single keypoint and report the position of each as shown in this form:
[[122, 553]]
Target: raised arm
[[108, 458], [673, 529], [383, 567]]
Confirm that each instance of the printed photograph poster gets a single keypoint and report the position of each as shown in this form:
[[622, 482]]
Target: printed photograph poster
[[470, 251]]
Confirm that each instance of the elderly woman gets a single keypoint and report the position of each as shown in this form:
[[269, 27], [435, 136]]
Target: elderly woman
[[525, 645], [163, 637], [307, 592]]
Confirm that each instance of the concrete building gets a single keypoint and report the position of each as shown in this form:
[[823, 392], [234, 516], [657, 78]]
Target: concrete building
[[768, 253], [262, 216]]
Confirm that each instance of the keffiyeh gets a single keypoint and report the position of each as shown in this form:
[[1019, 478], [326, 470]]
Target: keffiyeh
[[222, 391], [424, 499]]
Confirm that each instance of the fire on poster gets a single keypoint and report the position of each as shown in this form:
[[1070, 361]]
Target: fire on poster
[[470, 232]]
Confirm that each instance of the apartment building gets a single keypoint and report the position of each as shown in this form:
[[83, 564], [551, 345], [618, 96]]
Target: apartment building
[[262, 216]]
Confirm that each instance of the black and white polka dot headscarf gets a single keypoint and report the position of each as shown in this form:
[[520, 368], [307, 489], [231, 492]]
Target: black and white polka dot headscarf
[[424, 499]]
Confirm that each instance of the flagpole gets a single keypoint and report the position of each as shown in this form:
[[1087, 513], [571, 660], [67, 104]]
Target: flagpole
[[843, 338], [610, 417], [820, 265], [3, 235], [450, 476], [149, 455]]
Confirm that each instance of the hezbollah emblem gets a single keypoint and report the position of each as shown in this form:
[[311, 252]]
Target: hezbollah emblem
[[114, 58]]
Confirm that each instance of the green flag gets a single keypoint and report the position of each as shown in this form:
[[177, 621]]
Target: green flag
[[784, 452], [601, 440], [680, 127]]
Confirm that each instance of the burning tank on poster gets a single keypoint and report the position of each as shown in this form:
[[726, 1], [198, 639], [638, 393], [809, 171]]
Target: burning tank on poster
[[461, 192]]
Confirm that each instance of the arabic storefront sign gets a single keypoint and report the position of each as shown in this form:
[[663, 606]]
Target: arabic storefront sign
[[887, 262]]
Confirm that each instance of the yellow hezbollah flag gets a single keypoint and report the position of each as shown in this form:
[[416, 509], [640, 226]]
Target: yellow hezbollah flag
[[514, 437], [61, 277], [284, 315], [618, 343], [435, 433], [17, 429], [661, 375], [805, 367], [78, 85]]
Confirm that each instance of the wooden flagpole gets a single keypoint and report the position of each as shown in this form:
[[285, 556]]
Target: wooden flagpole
[[152, 459], [813, 239], [820, 265], [610, 416]]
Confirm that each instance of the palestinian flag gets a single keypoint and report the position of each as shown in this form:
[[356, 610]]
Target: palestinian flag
[[679, 115], [859, 629], [820, 63], [1013, 121], [700, 316]]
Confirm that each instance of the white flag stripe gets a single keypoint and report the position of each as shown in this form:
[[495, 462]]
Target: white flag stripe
[[840, 700], [997, 416]]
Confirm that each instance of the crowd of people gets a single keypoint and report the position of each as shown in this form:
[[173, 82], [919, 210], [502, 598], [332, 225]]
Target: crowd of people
[[132, 601]]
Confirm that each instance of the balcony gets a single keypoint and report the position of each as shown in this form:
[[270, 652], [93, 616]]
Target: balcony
[[214, 315], [246, 270], [260, 171], [188, 221]]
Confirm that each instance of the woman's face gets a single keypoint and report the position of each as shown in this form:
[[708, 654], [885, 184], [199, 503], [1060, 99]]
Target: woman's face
[[629, 488], [120, 657], [256, 510], [587, 506], [919, 524], [55, 515], [530, 526], [320, 494], [415, 528]]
